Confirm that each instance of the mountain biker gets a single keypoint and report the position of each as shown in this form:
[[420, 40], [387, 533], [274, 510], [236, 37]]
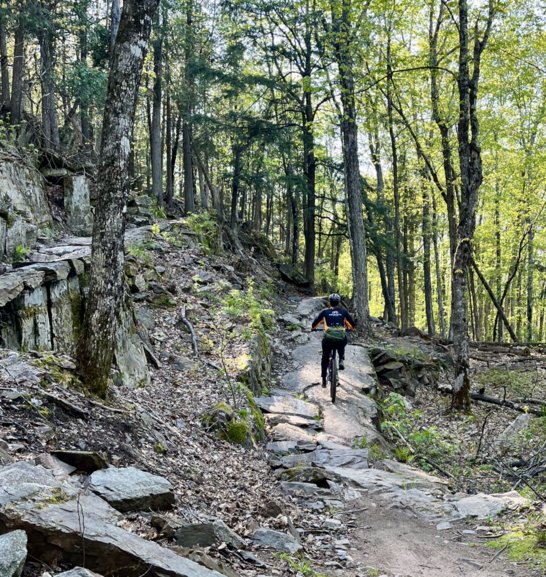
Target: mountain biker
[[336, 321]]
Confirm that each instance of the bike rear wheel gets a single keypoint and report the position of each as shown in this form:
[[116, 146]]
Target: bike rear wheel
[[333, 378]]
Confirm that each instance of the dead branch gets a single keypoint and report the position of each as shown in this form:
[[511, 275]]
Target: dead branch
[[78, 411], [503, 403], [183, 319]]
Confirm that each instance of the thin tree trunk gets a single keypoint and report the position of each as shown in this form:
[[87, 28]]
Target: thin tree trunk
[[50, 124], [18, 69], [427, 275], [5, 98], [155, 133], [169, 173], [498, 256], [115, 16], [439, 283], [353, 186], [530, 283], [106, 289], [84, 105]]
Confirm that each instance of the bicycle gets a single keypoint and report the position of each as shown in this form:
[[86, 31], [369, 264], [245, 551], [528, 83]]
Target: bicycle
[[333, 375]]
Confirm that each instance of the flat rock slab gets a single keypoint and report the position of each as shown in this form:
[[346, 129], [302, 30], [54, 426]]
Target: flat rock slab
[[350, 458], [130, 489], [78, 572], [288, 406], [305, 422], [276, 540], [51, 511], [485, 506], [207, 534], [297, 489], [13, 553]]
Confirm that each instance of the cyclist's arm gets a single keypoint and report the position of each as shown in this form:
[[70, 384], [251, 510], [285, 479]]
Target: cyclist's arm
[[318, 321], [349, 321]]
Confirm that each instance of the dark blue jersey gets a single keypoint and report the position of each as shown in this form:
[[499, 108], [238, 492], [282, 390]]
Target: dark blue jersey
[[334, 317]]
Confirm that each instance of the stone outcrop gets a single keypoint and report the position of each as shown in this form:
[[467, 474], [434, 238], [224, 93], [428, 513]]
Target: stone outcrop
[[41, 305], [24, 210], [13, 553], [62, 519], [130, 489], [77, 204]]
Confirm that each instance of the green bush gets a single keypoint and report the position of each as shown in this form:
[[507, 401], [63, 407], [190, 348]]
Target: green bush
[[205, 226]]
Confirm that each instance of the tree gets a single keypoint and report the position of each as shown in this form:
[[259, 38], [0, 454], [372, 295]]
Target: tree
[[95, 349], [470, 165], [344, 45]]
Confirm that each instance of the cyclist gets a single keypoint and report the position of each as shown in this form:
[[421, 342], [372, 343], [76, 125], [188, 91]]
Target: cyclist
[[336, 321]]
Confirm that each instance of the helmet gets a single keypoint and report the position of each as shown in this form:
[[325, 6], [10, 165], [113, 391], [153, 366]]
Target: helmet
[[334, 299]]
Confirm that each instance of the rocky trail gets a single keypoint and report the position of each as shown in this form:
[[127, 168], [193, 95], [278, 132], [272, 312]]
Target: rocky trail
[[146, 482], [392, 520]]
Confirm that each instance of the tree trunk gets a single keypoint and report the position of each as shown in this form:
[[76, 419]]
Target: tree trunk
[[84, 104], [5, 98], [155, 134], [18, 69], [427, 274], [530, 287], [353, 186], [470, 165], [50, 124], [95, 348], [115, 16], [439, 284]]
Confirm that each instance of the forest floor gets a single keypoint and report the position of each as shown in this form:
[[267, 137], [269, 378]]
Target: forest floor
[[160, 428]]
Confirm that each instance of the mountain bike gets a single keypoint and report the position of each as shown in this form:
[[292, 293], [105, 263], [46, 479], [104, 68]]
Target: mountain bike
[[333, 375]]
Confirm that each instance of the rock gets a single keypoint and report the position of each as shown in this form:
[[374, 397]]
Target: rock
[[507, 438], [296, 489], [208, 534], [130, 489], [333, 524], [288, 406], [315, 475], [276, 540], [390, 369], [56, 466], [11, 286], [129, 352], [78, 572], [351, 458], [13, 553], [52, 511], [305, 422], [88, 461], [484, 506], [293, 276], [290, 320], [77, 204]]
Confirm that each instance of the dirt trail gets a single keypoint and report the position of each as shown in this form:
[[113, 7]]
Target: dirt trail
[[393, 519]]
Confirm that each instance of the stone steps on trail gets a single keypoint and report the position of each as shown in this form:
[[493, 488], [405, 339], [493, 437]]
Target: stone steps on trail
[[287, 405]]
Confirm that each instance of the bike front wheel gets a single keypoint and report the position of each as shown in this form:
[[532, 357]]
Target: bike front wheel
[[333, 380]]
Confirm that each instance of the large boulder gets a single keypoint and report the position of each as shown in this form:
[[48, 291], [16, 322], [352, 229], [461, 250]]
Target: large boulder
[[130, 489], [61, 520], [24, 210], [13, 553], [207, 534]]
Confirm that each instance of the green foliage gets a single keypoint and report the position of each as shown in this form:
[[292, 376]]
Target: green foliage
[[205, 226], [402, 426], [248, 306], [525, 542], [299, 565], [20, 253]]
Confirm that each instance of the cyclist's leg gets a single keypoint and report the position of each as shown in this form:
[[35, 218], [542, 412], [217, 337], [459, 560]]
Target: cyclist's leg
[[341, 350], [326, 350]]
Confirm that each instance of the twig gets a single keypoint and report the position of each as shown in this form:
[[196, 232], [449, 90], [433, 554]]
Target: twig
[[481, 435], [107, 408], [498, 553], [66, 404], [182, 318]]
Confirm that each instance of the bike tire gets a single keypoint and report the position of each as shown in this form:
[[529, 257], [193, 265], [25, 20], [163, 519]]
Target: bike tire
[[333, 380]]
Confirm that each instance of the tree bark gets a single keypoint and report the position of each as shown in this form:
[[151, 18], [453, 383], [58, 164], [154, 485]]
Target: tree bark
[[115, 16], [439, 284], [5, 98], [353, 186], [470, 165], [50, 123], [155, 134], [95, 348], [427, 274], [18, 69]]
